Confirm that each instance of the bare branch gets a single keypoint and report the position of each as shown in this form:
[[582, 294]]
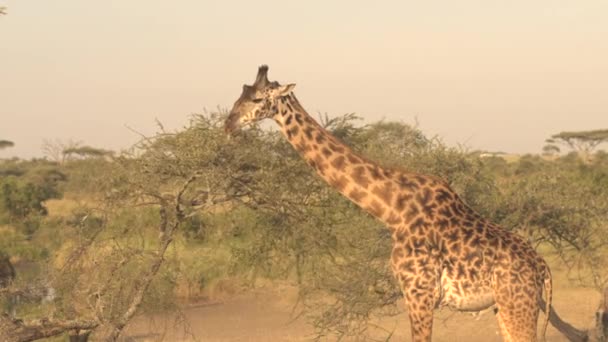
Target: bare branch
[[12, 330], [167, 228]]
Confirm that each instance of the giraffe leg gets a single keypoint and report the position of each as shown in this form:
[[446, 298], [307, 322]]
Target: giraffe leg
[[419, 279], [503, 329], [517, 314], [517, 327], [420, 312]]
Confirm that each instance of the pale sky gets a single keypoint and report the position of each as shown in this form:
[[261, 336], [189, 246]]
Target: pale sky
[[492, 75]]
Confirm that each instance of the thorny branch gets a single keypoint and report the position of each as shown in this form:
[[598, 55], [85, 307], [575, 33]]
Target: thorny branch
[[171, 214], [167, 227]]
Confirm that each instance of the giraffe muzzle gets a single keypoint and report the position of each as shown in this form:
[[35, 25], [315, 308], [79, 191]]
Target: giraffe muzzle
[[231, 123]]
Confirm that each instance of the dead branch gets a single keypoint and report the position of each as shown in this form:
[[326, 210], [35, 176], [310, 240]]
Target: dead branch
[[13, 330]]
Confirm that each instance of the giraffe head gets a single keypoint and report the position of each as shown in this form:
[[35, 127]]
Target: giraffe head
[[257, 102]]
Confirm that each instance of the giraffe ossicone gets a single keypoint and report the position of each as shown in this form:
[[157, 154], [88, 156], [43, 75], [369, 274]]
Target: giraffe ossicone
[[444, 253]]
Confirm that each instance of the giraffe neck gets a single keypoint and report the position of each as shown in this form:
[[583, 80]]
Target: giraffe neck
[[382, 192]]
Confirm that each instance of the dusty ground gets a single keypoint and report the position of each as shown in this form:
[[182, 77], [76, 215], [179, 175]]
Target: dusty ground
[[266, 315]]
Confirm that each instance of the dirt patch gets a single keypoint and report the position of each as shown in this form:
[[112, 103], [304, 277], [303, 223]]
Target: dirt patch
[[266, 314]]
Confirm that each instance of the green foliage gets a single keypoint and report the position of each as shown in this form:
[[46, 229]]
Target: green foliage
[[20, 199], [23, 190], [563, 203]]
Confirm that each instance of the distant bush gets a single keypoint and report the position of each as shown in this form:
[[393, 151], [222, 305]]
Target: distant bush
[[23, 190]]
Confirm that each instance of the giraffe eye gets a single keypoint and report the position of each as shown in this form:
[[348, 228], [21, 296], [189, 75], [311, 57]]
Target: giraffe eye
[[257, 100]]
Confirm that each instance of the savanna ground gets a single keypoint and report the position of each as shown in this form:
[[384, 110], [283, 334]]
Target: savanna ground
[[270, 313], [189, 236]]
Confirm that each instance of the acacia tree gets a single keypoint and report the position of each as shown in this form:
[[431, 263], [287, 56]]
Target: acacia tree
[[54, 149], [583, 142], [6, 144], [86, 152], [117, 248], [550, 150]]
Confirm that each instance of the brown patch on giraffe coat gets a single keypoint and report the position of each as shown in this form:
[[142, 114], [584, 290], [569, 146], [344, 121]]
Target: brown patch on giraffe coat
[[338, 182], [299, 118], [360, 177], [394, 219], [308, 132], [294, 130], [326, 152], [445, 212], [443, 224], [411, 213], [320, 138], [455, 221], [397, 254], [318, 163], [442, 196], [419, 225], [401, 235], [357, 195], [336, 148], [401, 200], [374, 171], [453, 235], [460, 271], [338, 162], [424, 197], [418, 243], [303, 147], [388, 173], [406, 183], [407, 266], [467, 234], [376, 209], [455, 247], [422, 180], [353, 159], [385, 193]]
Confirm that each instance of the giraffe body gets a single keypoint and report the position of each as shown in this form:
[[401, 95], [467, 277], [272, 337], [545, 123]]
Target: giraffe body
[[444, 253]]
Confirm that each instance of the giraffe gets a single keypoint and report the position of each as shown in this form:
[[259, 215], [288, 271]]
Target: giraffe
[[444, 254]]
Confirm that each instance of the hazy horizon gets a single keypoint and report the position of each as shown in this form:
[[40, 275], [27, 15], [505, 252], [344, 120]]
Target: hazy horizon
[[496, 76]]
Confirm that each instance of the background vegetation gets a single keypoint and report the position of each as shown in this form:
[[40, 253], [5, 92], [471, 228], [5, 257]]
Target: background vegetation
[[96, 236]]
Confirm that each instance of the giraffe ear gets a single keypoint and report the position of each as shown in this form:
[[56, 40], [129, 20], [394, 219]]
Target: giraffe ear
[[286, 89]]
